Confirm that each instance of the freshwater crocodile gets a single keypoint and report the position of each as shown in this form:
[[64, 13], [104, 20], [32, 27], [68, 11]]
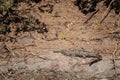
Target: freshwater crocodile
[[82, 54]]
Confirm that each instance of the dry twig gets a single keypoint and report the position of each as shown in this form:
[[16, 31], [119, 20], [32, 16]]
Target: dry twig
[[114, 58], [91, 16], [106, 12]]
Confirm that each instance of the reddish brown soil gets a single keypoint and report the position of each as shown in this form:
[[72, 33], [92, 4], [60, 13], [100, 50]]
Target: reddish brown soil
[[65, 32]]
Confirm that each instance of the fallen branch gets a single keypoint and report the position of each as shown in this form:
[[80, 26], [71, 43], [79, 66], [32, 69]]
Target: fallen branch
[[91, 16], [114, 58], [106, 12]]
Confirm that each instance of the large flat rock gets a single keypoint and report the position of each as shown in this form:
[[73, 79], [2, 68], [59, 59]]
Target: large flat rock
[[57, 65]]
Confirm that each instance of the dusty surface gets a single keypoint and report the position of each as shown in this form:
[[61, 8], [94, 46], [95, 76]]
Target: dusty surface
[[32, 56]]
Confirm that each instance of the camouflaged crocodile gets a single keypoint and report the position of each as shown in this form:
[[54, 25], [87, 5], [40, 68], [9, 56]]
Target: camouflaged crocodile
[[82, 54]]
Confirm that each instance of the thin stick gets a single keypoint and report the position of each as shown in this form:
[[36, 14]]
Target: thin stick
[[91, 16], [114, 57], [106, 12]]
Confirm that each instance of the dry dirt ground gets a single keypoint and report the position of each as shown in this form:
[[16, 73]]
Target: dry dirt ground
[[36, 56]]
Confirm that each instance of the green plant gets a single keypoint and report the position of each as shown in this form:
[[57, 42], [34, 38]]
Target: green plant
[[5, 5], [28, 20], [4, 28], [63, 36], [50, 24], [9, 5], [56, 14], [96, 22], [117, 30], [1, 9]]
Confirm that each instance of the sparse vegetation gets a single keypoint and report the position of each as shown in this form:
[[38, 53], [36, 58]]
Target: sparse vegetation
[[96, 22], [54, 40], [56, 14], [63, 36]]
